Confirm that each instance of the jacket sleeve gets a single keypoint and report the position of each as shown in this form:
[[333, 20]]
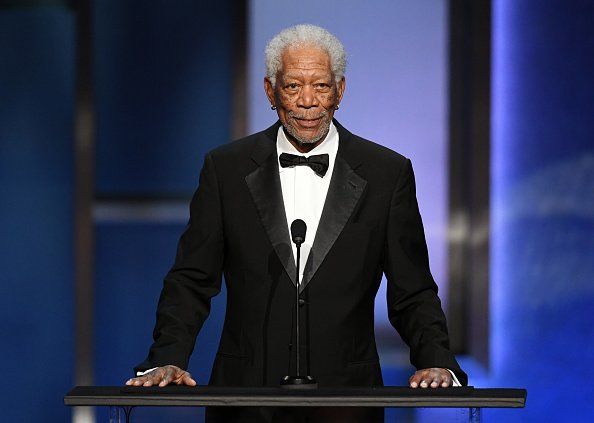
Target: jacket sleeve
[[414, 308], [184, 303]]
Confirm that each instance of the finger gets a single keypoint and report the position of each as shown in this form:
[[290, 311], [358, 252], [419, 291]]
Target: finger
[[151, 378], [415, 379], [183, 377], [168, 376], [447, 380], [433, 377], [136, 381], [436, 379], [188, 380], [439, 377], [444, 379]]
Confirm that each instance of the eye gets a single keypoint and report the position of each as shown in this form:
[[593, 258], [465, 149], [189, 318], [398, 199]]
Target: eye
[[292, 86]]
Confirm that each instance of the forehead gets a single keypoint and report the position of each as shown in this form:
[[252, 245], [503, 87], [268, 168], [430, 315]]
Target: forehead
[[305, 58]]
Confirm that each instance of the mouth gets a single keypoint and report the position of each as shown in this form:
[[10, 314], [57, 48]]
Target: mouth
[[309, 123]]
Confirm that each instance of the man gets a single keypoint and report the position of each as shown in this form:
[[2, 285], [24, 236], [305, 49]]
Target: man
[[359, 203]]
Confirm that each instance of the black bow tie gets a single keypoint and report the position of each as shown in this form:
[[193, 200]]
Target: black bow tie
[[318, 163]]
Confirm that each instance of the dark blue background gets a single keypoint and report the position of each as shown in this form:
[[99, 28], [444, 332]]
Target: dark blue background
[[36, 213]]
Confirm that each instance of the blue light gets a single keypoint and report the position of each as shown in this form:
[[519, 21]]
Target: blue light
[[542, 244]]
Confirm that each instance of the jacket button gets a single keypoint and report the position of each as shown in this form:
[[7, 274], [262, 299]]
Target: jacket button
[[301, 302]]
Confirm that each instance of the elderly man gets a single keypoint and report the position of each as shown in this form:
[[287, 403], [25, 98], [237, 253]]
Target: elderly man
[[358, 201]]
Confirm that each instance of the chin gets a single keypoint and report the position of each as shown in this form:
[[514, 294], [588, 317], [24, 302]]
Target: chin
[[309, 137], [309, 140]]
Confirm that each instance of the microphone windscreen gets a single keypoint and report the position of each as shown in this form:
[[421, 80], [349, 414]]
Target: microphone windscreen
[[298, 229]]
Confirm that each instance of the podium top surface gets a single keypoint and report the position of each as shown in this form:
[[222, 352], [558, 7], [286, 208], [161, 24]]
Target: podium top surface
[[388, 396]]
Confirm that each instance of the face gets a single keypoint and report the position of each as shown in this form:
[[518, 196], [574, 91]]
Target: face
[[306, 95]]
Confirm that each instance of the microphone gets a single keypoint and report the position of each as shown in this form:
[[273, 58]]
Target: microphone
[[298, 230]]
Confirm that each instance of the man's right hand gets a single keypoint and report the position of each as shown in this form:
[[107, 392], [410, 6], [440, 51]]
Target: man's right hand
[[163, 376]]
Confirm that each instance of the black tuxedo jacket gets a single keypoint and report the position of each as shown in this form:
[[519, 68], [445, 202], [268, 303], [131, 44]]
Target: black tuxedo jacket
[[370, 225]]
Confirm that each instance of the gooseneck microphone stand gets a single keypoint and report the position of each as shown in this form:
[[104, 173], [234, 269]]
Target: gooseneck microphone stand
[[298, 229]]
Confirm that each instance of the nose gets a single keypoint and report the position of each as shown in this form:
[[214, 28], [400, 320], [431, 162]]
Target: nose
[[307, 97]]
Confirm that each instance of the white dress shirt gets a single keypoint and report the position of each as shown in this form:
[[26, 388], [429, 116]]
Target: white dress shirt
[[304, 192]]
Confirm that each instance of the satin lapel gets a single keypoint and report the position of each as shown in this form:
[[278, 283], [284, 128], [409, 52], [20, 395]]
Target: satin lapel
[[344, 192], [265, 188]]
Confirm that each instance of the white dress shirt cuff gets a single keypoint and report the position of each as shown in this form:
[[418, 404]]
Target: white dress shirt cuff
[[455, 381], [150, 370]]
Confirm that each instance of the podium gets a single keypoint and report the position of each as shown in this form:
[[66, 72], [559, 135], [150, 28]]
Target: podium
[[125, 398]]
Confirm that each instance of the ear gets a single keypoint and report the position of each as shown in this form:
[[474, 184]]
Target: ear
[[340, 89], [269, 89]]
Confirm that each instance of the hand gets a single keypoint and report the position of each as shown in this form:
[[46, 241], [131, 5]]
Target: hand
[[434, 378], [163, 376]]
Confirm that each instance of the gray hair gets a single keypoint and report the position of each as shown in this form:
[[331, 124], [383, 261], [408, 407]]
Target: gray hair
[[304, 35]]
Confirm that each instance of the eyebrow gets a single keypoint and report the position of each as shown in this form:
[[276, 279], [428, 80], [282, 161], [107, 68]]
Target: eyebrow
[[325, 76]]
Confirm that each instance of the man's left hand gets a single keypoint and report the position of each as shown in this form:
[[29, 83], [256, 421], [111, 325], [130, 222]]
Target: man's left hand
[[431, 378]]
